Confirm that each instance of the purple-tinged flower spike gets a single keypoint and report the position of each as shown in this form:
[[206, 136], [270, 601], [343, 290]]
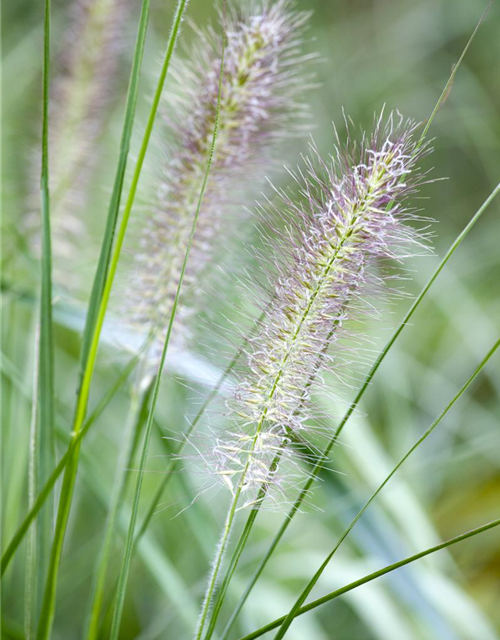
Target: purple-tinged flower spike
[[262, 78], [81, 94], [339, 241]]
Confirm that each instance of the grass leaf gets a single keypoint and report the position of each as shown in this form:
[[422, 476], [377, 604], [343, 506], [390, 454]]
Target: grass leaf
[[43, 446], [122, 581], [294, 611], [373, 576]]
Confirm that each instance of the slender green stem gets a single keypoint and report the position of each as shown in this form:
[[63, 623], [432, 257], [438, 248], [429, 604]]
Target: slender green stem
[[301, 599], [447, 88], [373, 576], [366, 383], [44, 451], [226, 532], [174, 462], [139, 401], [122, 581], [51, 481], [325, 271], [233, 563], [48, 608]]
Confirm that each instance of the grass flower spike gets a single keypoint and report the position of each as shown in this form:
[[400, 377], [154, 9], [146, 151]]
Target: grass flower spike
[[351, 220], [258, 105]]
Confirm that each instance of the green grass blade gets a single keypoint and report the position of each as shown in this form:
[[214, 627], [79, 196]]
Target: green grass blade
[[445, 93], [366, 383], [123, 578], [301, 599], [174, 462], [114, 204], [48, 608], [140, 399], [57, 471], [373, 576], [44, 442]]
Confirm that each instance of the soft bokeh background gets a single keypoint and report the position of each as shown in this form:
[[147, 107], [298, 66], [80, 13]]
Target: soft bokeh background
[[377, 52]]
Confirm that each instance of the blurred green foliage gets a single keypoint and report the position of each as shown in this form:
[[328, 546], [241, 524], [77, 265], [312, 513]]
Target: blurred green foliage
[[373, 52]]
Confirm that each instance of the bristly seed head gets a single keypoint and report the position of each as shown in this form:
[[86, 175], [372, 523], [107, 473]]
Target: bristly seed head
[[353, 217], [262, 78]]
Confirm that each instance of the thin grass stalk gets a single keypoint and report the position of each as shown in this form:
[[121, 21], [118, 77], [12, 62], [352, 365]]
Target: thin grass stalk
[[48, 608], [31, 551], [102, 269], [44, 436], [373, 576], [366, 383], [307, 590], [122, 581], [51, 481], [139, 401], [447, 88], [175, 461], [233, 563]]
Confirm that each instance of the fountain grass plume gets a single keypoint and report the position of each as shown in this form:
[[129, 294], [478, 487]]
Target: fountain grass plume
[[263, 77], [342, 240]]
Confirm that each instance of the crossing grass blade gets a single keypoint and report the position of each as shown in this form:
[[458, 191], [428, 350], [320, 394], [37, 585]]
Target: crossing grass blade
[[307, 590], [373, 576], [57, 471]]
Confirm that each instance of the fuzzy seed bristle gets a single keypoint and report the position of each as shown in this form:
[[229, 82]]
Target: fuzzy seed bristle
[[352, 220], [260, 85]]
